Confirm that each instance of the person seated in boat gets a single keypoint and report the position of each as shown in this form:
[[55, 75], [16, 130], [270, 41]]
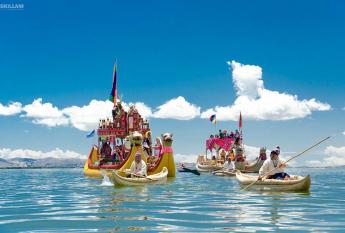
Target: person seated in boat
[[229, 165], [105, 152], [138, 166], [221, 156], [240, 161], [213, 161], [262, 154], [158, 147], [147, 143], [117, 155], [273, 168]]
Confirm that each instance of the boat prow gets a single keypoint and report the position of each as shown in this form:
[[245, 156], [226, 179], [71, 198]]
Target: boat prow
[[299, 184]]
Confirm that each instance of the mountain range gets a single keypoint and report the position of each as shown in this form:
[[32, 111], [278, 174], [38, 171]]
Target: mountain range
[[40, 163]]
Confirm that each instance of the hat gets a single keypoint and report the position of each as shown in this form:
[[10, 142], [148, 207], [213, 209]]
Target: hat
[[263, 149], [137, 154], [239, 149], [274, 152]]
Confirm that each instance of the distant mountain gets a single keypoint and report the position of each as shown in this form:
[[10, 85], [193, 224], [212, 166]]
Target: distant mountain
[[41, 163], [5, 163]]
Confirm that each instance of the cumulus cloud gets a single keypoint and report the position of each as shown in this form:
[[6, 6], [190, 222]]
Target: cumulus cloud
[[86, 117], [335, 156], [10, 109], [344, 133], [44, 114], [7, 153], [257, 102], [177, 108]]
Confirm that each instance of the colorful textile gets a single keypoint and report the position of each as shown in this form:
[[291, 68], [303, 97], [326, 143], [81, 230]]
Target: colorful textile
[[224, 143]]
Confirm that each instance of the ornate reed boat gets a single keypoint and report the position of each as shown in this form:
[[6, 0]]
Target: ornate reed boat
[[119, 139]]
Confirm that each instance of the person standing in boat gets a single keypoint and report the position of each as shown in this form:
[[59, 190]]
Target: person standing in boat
[[138, 166], [275, 164], [158, 147]]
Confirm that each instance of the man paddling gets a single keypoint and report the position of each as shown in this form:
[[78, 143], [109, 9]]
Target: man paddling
[[273, 168], [138, 166]]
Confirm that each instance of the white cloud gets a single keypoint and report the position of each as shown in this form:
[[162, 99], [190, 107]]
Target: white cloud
[[335, 156], [86, 117], [7, 153], [10, 109], [178, 109], [344, 133], [44, 114], [185, 158], [256, 102]]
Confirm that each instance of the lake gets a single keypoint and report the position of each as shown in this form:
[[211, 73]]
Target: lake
[[63, 200]]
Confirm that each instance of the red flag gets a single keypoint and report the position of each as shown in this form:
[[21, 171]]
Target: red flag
[[240, 121]]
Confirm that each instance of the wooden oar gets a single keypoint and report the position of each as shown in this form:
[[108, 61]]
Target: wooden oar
[[293, 157]]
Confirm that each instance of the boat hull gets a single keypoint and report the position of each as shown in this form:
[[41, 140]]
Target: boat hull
[[301, 184]]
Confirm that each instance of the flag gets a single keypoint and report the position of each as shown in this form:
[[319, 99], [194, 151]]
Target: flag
[[91, 134], [113, 92], [240, 122], [213, 119]]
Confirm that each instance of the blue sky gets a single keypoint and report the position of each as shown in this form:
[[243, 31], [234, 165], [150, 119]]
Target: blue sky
[[63, 52]]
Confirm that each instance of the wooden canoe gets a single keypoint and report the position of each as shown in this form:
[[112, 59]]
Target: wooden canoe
[[121, 178], [300, 184]]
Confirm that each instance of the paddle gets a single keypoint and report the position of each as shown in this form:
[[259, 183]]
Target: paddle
[[293, 157]]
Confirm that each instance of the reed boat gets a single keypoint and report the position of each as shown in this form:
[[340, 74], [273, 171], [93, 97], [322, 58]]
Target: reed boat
[[207, 167], [231, 173], [120, 178], [121, 137], [299, 184]]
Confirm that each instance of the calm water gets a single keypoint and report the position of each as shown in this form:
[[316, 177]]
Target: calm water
[[49, 200]]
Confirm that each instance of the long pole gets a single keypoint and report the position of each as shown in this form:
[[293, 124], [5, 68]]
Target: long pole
[[293, 157]]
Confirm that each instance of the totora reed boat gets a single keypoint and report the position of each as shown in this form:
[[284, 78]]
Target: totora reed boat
[[300, 184]]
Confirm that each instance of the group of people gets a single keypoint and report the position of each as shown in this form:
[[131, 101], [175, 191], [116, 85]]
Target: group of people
[[224, 134], [105, 123], [272, 168], [118, 154]]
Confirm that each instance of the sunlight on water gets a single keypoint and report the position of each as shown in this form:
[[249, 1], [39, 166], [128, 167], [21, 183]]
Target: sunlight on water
[[65, 201]]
